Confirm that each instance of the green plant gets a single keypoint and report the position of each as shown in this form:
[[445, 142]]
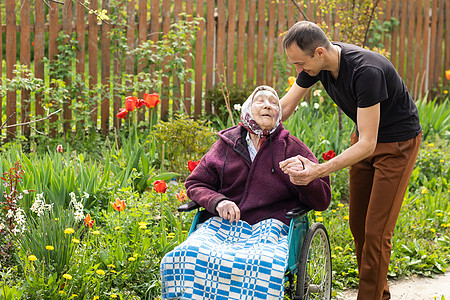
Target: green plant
[[237, 95], [182, 139], [434, 117]]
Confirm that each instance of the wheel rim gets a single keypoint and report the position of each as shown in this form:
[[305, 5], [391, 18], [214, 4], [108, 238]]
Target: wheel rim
[[318, 272]]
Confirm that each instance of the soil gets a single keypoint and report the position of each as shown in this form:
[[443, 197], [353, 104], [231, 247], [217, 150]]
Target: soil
[[413, 288]]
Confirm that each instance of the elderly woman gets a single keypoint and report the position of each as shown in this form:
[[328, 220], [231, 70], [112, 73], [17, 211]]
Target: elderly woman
[[240, 252]]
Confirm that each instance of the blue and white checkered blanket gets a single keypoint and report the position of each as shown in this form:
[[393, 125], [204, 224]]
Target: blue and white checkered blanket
[[228, 261]]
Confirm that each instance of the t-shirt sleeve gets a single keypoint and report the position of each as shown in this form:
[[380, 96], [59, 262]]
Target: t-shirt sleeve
[[305, 81], [370, 87]]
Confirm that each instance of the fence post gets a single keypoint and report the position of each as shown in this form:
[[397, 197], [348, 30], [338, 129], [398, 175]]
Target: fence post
[[25, 60]]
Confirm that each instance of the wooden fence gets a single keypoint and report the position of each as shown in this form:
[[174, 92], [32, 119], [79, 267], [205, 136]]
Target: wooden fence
[[238, 38]]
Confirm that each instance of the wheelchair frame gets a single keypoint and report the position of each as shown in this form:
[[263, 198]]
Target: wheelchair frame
[[308, 275]]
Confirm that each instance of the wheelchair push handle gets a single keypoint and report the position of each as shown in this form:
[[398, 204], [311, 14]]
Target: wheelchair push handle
[[293, 213]]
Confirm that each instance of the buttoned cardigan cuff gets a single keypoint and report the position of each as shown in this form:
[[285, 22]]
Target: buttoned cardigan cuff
[[213, 203]]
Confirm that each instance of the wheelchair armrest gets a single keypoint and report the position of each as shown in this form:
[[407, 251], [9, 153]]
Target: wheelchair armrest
[[191, 205], [297, 212]]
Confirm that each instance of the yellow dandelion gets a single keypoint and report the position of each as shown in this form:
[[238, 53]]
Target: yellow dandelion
[[74, 295], [424, 190], [135, 255], [69, 231], [131, 259], [143, 227], [319, 219], [113, 296], [432, 230], [142, 223], [441, 160], [113, 271], [318, 213], [341, 205], [338, 248], [343, 274], [333, 256], [430, 145], [61, 292], [100, 272], [111, 266], [117, 227], [56, 219], [96, 232], [32, 257], [346, 217], [67, 276], [96, 298], [49, 247], [77, 241], [439, 214], [333, 211]]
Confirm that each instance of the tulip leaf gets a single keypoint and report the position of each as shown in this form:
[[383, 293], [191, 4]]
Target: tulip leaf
[[163, 176]]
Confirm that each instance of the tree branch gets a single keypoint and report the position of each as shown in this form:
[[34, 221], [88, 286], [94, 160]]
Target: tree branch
[[28, 123], [300, 10]]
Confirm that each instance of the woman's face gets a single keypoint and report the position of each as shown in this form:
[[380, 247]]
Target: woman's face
[[265, 109]]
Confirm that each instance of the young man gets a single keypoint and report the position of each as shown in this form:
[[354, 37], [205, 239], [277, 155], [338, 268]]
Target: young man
[[384, 147]]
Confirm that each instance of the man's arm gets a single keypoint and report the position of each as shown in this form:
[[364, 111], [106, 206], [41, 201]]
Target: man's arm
[[368, 121], [292, 98]]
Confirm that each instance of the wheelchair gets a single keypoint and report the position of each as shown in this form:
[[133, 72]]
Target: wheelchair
[[308, 275]]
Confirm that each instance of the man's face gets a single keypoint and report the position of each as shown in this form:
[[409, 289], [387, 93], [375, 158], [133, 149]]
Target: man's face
[[303, 61]]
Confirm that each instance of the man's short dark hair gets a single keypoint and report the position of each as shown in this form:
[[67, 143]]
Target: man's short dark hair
[[307, 36]]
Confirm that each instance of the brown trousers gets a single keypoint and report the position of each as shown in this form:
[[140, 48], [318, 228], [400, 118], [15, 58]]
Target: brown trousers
[[377, 188]]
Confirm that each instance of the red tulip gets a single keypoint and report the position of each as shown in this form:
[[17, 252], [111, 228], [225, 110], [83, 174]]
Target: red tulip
[[119, 205], [130, 103], [328, 155], [60, 149], [192, 165], [160, 186], [122, 113], [151, 100], [88, 221]]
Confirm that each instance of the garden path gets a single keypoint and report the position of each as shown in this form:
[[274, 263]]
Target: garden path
[[414, 288]]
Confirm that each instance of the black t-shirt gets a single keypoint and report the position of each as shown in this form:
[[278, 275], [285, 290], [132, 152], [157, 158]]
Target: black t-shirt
[[365, 79]]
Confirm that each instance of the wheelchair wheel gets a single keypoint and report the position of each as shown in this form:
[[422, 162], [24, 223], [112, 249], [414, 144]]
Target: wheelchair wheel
[[314, 274]]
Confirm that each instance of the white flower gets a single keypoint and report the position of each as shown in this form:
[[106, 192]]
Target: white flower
[[9, 214], [85, 195], [316, 93], [316, 105], [26, 192], [304, 104], [237, 107], [78, 215], [2, 226]]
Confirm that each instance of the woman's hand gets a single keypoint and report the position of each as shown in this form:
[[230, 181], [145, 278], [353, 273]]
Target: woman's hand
[[301, 170], [228, 210]]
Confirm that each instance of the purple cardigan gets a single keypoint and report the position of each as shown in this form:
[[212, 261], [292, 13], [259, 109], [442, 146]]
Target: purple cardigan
[[260, 188]]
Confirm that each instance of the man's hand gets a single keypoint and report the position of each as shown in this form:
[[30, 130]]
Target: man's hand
[[228, 210], [301, 170]]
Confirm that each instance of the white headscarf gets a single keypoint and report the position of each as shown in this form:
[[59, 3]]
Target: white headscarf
[[246, 113]]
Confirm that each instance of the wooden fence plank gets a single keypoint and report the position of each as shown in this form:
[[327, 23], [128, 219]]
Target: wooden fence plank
[[106, 69], [221, 41], [402, 44], [93, 56], [447, 37], [418, 47], [410, 42], [80, 32], [281, 28], [251, 42], [438, 69], [176, 82], [210, 50], [142, 37], [261, 37], [1, 69], [242, 5], [387, 17], [270, 43], [117, 66], [129, 59], [395, 34], [199, 61], [187, 84], [10, 62], [67, 27], [425, 53], [39, 50], [433, 39], [52, 51], [231, 41], [25, 60], [166, 81]]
